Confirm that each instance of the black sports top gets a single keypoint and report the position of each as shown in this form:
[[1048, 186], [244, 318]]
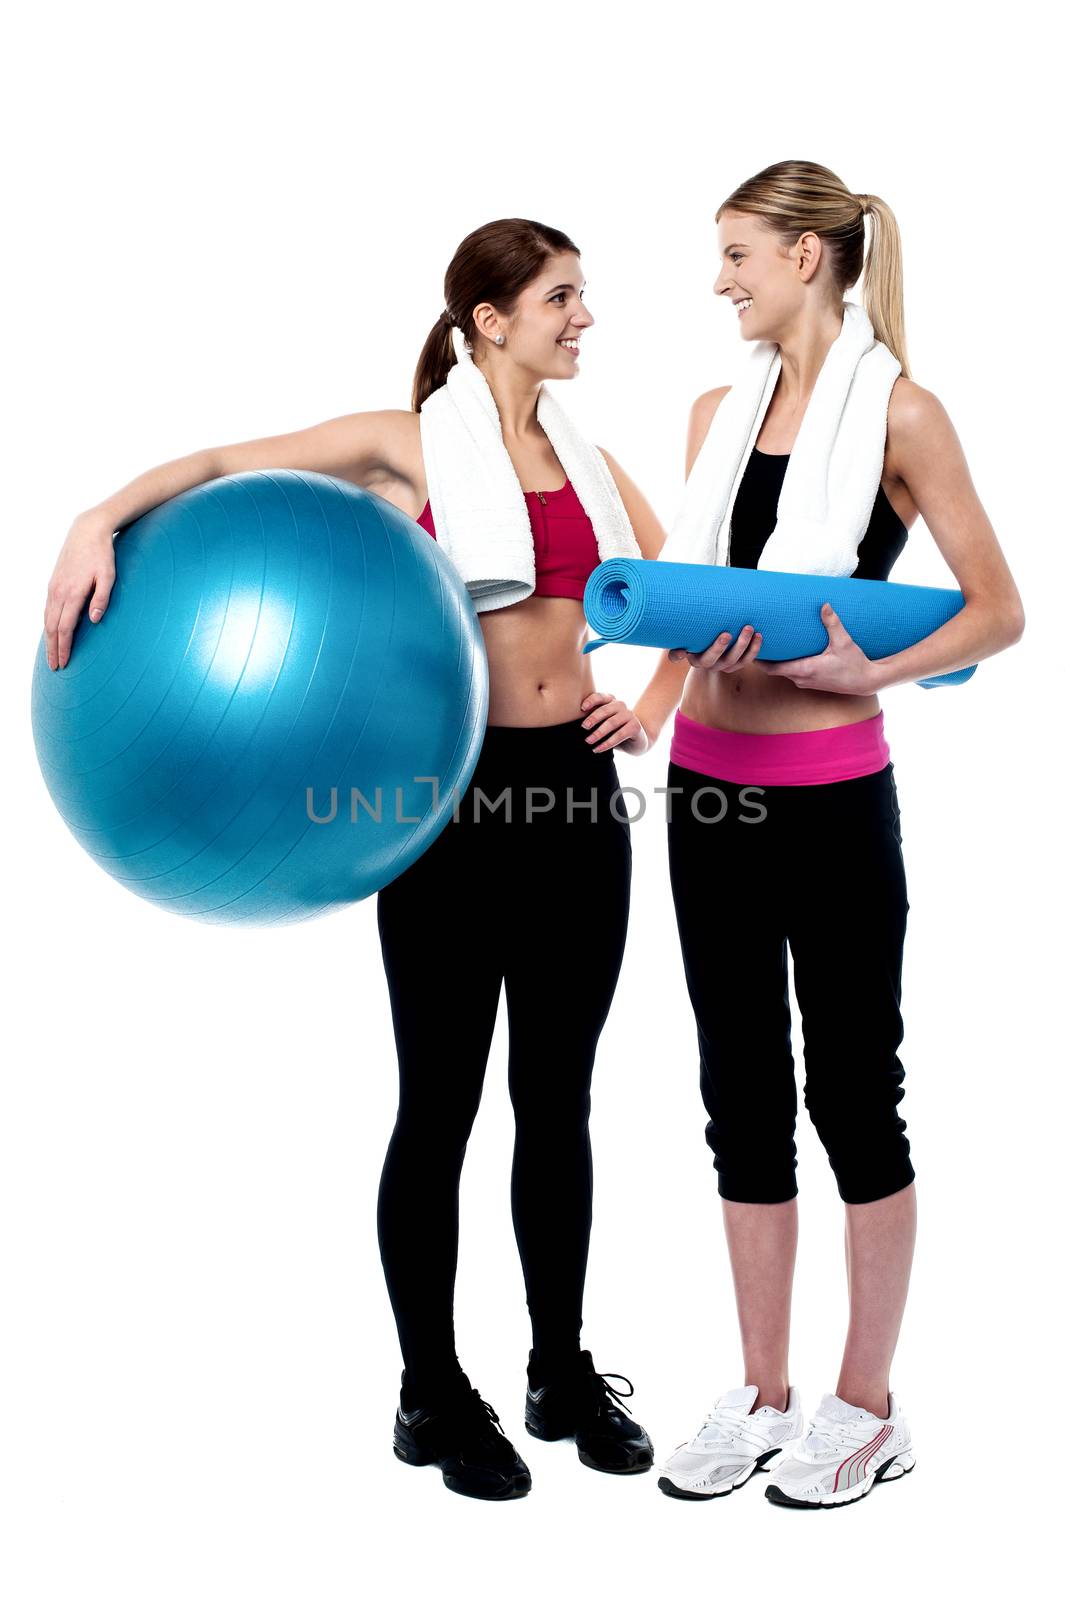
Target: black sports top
[[754, 516]]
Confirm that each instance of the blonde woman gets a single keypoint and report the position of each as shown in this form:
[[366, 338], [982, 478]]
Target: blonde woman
[[785, 830]]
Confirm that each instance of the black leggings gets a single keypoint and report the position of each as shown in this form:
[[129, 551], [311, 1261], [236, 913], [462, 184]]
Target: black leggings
[[822, 870], [539, 904]]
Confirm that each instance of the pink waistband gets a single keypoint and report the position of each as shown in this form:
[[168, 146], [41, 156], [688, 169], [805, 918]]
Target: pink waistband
[[824, 755]]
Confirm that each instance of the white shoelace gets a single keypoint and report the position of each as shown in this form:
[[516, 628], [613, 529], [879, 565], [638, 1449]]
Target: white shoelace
[[727, 1426], [832, 1433]]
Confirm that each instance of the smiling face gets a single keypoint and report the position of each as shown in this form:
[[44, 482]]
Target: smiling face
[[769, 284], [543, 332]]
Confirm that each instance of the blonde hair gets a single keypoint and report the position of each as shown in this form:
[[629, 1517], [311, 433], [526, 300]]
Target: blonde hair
[[796, 197]]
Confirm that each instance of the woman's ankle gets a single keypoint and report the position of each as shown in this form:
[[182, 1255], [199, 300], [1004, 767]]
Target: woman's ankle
[[771, 1392], [428, 1386]]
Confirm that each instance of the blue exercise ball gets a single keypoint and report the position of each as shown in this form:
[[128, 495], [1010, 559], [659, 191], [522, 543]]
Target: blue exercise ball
[[278, 710]]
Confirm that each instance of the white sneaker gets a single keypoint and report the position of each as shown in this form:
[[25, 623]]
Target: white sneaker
[[843, 1453], [732, 1443]]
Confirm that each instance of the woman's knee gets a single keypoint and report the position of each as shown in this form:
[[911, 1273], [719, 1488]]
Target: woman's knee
[[762, 1177], [551, 1103], [754, 1153], [748, 1090], [435, 1127], [863, 1135]]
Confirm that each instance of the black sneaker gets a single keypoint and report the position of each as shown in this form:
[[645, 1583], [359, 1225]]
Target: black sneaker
[[576, 1402], [461, 1435]]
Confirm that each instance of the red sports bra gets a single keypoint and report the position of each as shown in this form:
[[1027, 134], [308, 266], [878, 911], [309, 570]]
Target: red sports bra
[[564, 541]]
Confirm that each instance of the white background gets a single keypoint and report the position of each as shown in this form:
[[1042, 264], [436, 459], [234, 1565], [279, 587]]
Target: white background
[[228, 221]]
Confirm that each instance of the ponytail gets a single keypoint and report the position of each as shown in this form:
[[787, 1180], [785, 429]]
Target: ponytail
[[882, 281], [434, 363]]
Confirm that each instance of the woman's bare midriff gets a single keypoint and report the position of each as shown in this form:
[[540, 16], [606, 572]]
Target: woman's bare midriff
[[753, 701], [536, 672]]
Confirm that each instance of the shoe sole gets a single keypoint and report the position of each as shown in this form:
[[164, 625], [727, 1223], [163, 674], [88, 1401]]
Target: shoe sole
[[417, 1458], [538, 1431], [667, 1485], [904, 1463], [616, 1472]]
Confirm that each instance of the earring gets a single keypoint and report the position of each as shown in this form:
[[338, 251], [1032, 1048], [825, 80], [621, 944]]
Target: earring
[[499, 338]]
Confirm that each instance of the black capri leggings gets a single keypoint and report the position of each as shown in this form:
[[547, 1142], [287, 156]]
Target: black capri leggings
[[818, 867], [538, 904]]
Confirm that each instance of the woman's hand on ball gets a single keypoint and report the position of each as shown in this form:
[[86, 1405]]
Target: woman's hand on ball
[[613, 717], [721, 656], [86, 565]]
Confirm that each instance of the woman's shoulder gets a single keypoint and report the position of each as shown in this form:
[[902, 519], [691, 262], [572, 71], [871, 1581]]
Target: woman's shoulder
[[391, 458], [914, 415], [648, 531], [909, 405], [705, 405], [403, 454], [703, 411]]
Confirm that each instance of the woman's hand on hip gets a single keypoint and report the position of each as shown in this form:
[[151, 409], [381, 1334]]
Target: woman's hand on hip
[[613, 718]]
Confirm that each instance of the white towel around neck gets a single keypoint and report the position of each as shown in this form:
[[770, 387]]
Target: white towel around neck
[[479, 510], [834, 472]]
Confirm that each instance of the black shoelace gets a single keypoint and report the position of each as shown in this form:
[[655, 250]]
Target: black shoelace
[[480, 1405], [481, 1420], [597, 1390]]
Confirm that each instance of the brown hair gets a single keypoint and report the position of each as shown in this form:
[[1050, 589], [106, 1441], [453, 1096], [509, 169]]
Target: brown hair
[[494, 263], [796, 197]]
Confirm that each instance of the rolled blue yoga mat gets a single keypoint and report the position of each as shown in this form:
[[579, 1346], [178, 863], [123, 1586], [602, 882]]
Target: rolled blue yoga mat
[[681, 605]]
